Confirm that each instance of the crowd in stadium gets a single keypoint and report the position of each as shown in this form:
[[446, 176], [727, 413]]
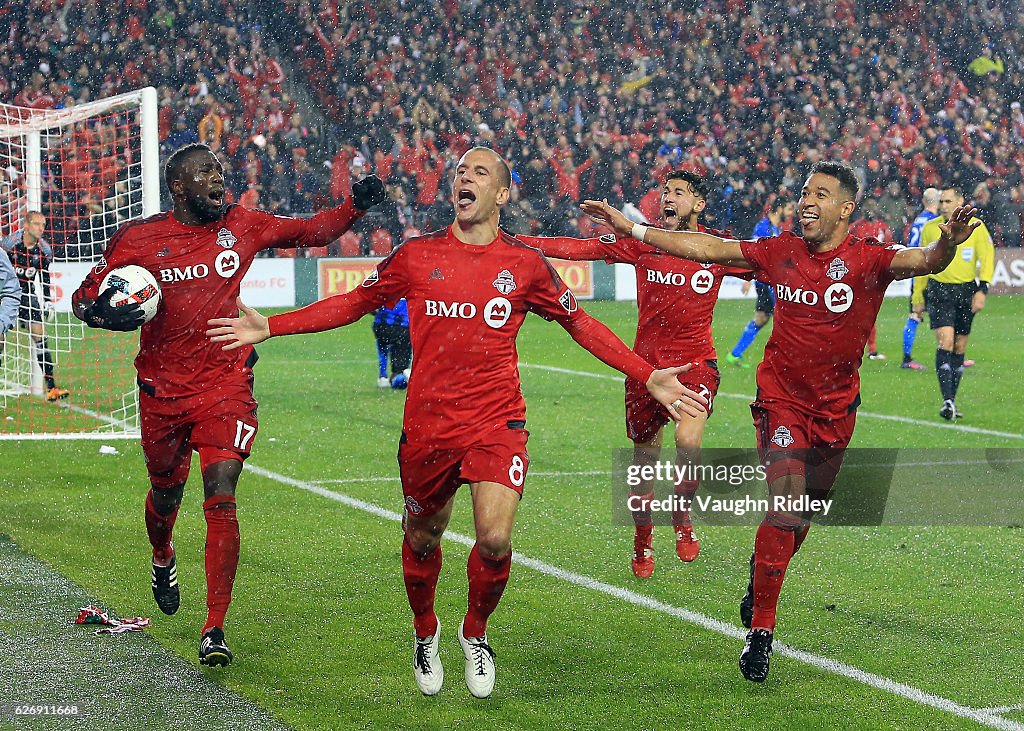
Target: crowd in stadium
[[595, 99]]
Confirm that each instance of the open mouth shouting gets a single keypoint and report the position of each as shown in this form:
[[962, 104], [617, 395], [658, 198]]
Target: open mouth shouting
[[670, 215], [216, 196], [808, 218], [464, 199]]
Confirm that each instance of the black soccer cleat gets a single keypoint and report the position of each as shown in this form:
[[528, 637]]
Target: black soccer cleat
[[213, 650], [948, 410], [747, 602], [754, 658], [165, 587]]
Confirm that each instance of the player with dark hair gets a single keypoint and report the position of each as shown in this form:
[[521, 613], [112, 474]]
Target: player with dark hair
[[194, 396], [771, 225], [953, 297], [469, 289], [829, 287], [31, 256], [675, 300]]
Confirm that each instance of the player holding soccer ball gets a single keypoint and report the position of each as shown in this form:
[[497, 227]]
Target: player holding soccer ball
[[469, 289], [193, 395], [676, 299], [829, 287]]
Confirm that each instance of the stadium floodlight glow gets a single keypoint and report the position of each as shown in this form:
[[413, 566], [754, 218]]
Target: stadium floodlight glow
[[89, 169]]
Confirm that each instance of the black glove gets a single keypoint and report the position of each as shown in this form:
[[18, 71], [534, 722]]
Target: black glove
[[123, 318], [368, 192]]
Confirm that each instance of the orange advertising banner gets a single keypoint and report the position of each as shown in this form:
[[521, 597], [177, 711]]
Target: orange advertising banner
[[338, 276]]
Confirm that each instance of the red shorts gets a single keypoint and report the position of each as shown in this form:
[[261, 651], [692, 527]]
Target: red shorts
[[792, 442], [432, 476], [219, 424], [645, 416]]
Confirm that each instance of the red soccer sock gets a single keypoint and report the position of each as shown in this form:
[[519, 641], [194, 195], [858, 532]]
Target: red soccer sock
[[872, 340], [642, 518], [685, 489], [159, 528], [222, 546], [773, 548], [487, 579], [799, 536], [421, 574]]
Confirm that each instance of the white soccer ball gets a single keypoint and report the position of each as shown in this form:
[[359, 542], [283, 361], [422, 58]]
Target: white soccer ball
[[134, 285]]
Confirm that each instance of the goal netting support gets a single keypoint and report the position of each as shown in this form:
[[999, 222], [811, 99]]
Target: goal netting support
[[88, 169]]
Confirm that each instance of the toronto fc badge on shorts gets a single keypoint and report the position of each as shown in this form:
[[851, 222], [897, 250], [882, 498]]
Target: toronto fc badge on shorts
[[782, 437], [225, 238], [505, 282], [837, 269]]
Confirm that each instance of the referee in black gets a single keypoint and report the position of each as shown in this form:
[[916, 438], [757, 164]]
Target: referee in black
[[953, 297]]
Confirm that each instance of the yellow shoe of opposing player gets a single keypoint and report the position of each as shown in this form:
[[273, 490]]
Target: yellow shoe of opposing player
[[55, 394]]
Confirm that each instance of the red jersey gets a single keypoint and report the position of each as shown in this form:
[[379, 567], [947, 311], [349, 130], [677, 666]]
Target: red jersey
[[825, 306], [200, 271], [675, 297], [466, 305]]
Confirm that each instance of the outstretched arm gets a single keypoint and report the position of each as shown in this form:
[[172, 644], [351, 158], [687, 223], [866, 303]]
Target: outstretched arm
[[564, 247], [325, 227], [936, 257], [692, 245], [663, 384], [251, 327]]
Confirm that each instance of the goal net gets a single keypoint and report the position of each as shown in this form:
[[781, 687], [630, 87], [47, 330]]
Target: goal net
[[88, 169]]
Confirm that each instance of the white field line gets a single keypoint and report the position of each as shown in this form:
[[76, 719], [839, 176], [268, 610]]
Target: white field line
[[828, 665], [360, 480], [1004, 709], [860, 413]]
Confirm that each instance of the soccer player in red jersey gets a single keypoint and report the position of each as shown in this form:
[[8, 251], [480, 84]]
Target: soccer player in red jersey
[[193, 395], [469, 288], [676, 299], [829, 287]]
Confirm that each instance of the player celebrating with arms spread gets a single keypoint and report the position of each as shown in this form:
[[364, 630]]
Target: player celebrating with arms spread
[[676, 299], [829, 287], [193, 395], [469, 288]]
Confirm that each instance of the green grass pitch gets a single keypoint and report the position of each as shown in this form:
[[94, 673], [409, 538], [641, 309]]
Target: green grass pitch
[[321, 629]]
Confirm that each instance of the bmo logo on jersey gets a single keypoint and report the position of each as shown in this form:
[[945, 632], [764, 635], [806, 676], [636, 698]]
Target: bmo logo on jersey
[[701, 282], [455, 310], [184, 274], [227, 263], [497, 311], [838, 297]]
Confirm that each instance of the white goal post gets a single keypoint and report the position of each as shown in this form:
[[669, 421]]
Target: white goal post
[[88, 169]]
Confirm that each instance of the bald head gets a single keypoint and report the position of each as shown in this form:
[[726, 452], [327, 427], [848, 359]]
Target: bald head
[[502, 172], [930, 197]]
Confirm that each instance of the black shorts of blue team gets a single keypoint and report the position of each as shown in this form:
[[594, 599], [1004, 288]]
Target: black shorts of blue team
[[949, 305], [765, 298]]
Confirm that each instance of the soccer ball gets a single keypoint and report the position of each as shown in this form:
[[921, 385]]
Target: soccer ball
[[134, 285]]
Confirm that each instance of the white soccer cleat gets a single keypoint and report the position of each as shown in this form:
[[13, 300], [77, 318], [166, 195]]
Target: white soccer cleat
[[479, 664], [383, 382], [426, 663]]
